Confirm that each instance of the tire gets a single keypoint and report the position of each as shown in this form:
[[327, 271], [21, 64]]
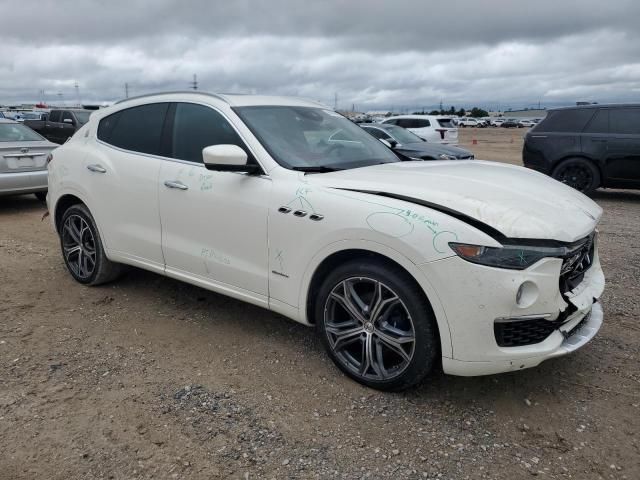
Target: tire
[[578, 173], [42, 196], [404, 323], [82, 248]]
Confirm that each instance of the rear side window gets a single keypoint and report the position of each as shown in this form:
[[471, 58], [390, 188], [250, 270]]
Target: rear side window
[[599, 123], [566, 120], [196, 127], [54, 116], [138, 128], [413, 122], [625, 121]]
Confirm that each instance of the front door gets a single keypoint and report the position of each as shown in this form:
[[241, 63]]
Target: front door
[[214, 224]]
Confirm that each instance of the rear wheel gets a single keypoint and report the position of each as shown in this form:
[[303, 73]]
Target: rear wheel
[[82, 248], [578, 173], [376, 325]]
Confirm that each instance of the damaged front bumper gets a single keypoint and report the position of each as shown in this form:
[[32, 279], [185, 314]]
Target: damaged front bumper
[[487, 297]]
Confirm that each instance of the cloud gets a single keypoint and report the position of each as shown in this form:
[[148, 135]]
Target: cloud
[[371, 53]]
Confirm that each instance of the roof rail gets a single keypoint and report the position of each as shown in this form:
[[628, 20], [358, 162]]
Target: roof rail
[[196, 92]]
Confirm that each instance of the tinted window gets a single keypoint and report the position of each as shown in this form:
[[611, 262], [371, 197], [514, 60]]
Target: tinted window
[[446, 122], [138, 129], [625, 120], [54, 116], [391, 122], [599, 123], [196, 127], [413, 123], [377, 133], [566, 120], [67, 116]]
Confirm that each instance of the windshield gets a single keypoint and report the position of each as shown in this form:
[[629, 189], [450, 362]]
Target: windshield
[[302, 137], [14, 132], [31, 116], [83, 117], [401, 135]]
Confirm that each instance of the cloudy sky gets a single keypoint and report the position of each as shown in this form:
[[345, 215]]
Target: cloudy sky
[[372, 53]]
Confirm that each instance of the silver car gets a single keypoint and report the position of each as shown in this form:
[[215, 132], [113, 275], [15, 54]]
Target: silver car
[[23, 160]]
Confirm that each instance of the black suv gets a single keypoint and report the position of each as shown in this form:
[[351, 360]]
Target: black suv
[[588, 146]]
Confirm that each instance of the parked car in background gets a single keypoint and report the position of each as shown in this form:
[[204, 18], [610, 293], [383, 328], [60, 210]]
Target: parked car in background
[[497, 122], [526, 123], [510, 123], [432, 128], [468, 122], [23, 160], [587, 147], [2, 115], [61, 124], [414, 147], [472, 266]]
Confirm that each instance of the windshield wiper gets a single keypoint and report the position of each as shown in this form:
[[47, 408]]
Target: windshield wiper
[[316, 169]]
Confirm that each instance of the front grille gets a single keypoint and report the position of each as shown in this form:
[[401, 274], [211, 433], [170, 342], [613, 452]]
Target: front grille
[[518, 333], [576, 263]]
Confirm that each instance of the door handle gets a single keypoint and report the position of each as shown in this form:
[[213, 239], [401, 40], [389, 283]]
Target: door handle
[[175, 184], [97, 168]]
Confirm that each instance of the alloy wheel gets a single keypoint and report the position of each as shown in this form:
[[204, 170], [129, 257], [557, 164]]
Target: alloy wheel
[[575, 176], [79, 246], [369, 328]]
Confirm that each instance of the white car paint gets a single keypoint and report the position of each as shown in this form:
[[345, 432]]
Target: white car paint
[[432, 128], [226, 233]]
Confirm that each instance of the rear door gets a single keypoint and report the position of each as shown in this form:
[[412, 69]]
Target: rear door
[[447, 130], [623, 146], [121, 174]]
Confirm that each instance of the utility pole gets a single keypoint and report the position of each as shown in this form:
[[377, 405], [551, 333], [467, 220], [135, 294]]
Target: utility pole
[[194, 83], [126, 90], [335, 101], [77, 87]]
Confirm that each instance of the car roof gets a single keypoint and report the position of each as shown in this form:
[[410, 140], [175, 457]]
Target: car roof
[[597, 105], [232, 99]]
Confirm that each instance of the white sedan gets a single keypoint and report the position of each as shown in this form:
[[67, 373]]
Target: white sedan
[[400, 265]]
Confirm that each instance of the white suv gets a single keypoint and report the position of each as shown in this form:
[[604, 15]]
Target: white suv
[[400, 265], [431, 128]]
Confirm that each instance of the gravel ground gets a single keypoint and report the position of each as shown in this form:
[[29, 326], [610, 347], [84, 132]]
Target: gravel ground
[[151, 378]]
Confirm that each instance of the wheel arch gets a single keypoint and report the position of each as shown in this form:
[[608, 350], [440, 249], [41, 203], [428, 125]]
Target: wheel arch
[[580, 156], [62, 205], [339, 252]]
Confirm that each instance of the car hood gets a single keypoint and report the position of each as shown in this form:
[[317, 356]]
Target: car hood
[[515, 201], [424, 148]]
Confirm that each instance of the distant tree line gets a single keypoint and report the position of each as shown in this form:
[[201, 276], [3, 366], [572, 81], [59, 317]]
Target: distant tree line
[[475, 112]]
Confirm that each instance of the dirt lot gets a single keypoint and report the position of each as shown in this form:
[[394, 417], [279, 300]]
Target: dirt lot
[[151, 378]]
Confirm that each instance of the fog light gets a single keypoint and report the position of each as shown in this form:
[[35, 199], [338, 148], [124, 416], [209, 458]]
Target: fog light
[[527, 294]]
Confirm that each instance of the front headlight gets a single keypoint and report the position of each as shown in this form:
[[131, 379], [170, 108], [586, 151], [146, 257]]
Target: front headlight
[[514, 257], [444, 156]]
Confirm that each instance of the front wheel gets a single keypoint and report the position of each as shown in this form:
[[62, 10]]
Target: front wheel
[[578, 173], [376, 325], [82, 248]]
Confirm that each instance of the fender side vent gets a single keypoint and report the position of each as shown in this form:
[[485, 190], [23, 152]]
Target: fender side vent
[[315, 217], [300, 213]]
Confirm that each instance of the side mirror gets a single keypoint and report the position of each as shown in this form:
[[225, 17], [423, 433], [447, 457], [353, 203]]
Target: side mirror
[[389, 143], [227, 158], [67, 120]]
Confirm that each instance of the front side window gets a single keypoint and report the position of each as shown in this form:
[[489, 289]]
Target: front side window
[[625, 121], [309, 137], [138, 129], [379, 134], [196, 127], [54, 116], [66, 116], [14, 132]]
